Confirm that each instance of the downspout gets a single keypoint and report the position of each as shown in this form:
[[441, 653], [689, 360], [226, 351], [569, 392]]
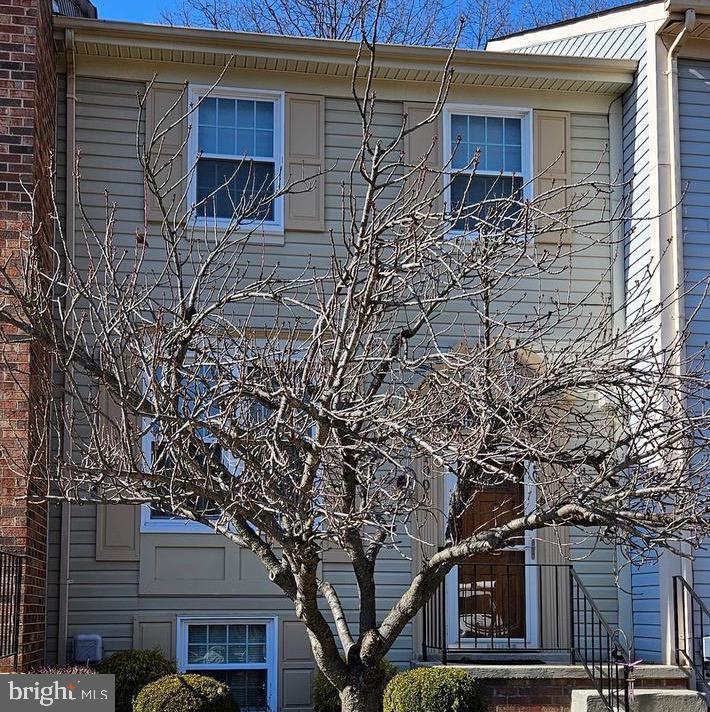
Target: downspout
[[674, 163], [67, 444], [618, 305], [672, 565]]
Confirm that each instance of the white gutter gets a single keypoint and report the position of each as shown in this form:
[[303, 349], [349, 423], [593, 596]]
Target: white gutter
[[676, 192], [67, 444], [672, 564], [618, 305]]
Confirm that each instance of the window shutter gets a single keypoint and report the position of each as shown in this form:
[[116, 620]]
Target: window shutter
[[552, 162], [170, 101], [305, 158], [117, 525], [420, 141]]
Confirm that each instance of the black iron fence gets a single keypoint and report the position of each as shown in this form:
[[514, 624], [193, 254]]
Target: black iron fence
[[527, 608], [10, 601], [692, 632]]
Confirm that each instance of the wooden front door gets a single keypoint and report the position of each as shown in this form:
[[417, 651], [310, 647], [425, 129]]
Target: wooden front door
[[492, 587]]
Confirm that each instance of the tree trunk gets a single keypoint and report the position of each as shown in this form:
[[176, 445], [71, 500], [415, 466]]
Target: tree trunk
[[360, 697]]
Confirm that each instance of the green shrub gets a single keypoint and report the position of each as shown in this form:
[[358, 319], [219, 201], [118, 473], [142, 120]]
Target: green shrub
[[434, 689], [326, 697], [134, 669], [185, 693]]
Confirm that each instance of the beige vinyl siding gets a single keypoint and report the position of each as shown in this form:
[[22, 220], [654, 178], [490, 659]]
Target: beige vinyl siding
[[105, 596], [594, 561]]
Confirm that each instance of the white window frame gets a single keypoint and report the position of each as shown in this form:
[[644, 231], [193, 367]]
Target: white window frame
[[274, 228], [272, 647], [179, 525], [175, 525], [502, 112]]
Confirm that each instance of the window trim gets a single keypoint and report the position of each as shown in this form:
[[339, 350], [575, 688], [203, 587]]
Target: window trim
[[266, 229], [174, 525], [272, 648], [503, 112]]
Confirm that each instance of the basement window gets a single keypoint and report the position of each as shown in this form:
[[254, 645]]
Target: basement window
[[239, 652]]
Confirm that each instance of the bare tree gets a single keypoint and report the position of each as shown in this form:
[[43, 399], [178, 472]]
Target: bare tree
[[401, 21], [295, 411]]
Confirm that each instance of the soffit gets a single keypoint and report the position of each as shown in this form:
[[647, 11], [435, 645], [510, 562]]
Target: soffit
[[268, 53]]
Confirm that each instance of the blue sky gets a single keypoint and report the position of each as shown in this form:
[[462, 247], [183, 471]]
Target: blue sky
[[132, 10]]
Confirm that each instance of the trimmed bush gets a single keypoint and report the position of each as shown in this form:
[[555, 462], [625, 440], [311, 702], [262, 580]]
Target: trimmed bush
[[326, 697], [185, 693], [434, 689], [134, 669]]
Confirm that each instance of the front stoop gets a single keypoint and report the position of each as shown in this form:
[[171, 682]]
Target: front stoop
[[515, 687], [644, 701]]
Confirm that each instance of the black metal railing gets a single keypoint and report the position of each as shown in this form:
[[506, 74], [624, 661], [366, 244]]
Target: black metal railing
[[599, 647], [691, 628], [434, 625], [10, 602], [528, 608], [500, 608]]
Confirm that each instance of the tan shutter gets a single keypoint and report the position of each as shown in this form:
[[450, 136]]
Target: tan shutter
[[117, 525], [420, 141], [170, 101], [305, 158], [552, 163], [152, 631], [117, 532]]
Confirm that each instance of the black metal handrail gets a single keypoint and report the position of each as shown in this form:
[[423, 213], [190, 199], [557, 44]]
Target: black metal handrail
[[10, 604], [434, 625], [494, 611], [490, 619], [691, 627], [597, 646]]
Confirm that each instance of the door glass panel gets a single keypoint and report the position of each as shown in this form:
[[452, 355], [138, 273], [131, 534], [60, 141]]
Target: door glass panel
[[491, 593]]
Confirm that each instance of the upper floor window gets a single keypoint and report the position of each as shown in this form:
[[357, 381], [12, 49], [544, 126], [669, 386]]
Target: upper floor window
[[488, 156], [238, 146]]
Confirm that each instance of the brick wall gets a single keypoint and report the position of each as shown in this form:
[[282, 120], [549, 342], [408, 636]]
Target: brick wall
[[27, 113], [551, 694]]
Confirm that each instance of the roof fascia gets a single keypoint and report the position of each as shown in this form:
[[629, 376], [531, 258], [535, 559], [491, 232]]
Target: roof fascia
[[337, 51], [616, 19]]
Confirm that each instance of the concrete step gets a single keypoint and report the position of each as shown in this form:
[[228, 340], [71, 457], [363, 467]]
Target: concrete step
[[643, 700]]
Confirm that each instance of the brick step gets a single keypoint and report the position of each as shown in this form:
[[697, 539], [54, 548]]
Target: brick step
[[516, 687]]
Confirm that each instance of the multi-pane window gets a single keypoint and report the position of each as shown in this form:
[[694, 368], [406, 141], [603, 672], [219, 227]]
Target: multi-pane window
[[238, 145], [197, 402], [486, 154], [238, 654]]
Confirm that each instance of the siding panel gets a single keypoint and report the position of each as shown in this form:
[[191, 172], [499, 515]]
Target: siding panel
[[105, 596], [694, 118], [629, 43]]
